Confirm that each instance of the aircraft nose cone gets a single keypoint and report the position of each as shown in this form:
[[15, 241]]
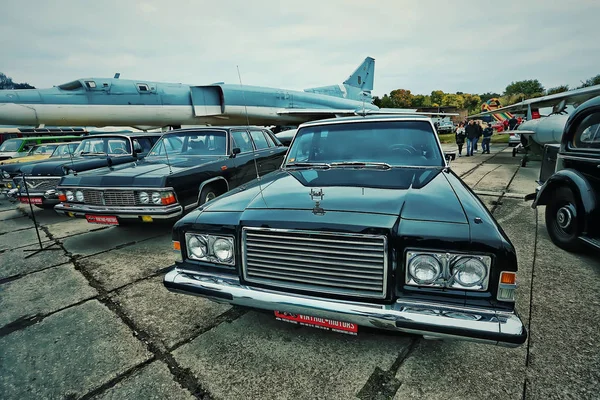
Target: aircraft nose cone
[[17, 114]]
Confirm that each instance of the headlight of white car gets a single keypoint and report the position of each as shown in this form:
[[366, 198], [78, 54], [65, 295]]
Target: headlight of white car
[[448, 270], [210, 248]]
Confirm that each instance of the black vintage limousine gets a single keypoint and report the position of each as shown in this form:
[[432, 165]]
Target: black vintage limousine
[[93, 152], [364, 225], [572, 193], [185, 169]]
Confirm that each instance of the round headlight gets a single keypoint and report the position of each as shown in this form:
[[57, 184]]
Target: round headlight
[[79, 195], [197, 247], [223, 249], [5, 175], [469, 272], [156, 198], [69, 195], [424, 269], [144, 198]]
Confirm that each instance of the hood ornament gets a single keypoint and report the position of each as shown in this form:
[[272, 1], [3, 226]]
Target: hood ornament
[[317, 197]]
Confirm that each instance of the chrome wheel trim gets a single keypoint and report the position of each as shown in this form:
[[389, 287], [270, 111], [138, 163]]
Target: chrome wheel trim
[[209, 196], [564, 217]]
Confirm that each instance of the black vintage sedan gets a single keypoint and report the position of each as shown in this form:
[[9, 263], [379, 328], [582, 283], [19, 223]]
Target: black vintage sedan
[[572, 193], [364, 225], [94, 151], [185, 168]]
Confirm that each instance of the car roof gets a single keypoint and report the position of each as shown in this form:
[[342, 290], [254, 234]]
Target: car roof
[[128, 134], [367, 118], [212, 128]]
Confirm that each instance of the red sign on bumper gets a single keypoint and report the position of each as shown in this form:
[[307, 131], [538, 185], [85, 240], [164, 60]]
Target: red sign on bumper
[[30, 200], [102, 219], [316, 322]]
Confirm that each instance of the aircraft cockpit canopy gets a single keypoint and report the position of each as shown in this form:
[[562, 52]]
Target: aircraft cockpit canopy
[[74, 85]]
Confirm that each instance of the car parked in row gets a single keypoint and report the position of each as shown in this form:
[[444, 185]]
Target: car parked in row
[[366, 225], [185, 169], [95, 151], [20, 147]]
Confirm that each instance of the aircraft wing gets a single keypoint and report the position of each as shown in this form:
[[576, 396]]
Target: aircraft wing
[[321, 112], [576, 97]]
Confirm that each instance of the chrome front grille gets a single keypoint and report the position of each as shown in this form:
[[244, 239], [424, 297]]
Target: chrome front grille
[[335, 263], [109, 197], [37, 184]]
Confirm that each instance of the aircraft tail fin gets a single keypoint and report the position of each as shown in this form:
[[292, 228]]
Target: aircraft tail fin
[[364, 76]]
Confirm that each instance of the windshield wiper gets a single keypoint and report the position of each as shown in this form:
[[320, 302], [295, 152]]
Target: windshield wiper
[[362, 164], [309, 165]]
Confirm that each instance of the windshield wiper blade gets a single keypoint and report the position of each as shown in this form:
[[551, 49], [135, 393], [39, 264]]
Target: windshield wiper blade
[[309, 165], [362, 164]]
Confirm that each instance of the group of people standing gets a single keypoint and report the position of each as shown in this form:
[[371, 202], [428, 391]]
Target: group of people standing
[[471, 132]]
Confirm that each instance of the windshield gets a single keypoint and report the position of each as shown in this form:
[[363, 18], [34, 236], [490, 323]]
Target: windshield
[[42, 149], [195, 143], [64, 150], [11, 145], [114, 146], [397, 143]]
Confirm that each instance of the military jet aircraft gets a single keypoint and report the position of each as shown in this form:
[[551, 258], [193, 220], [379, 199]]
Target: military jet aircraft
[[537, 130], [121, 102]]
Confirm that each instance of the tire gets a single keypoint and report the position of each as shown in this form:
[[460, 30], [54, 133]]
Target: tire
[[208, 193], [562, 222]]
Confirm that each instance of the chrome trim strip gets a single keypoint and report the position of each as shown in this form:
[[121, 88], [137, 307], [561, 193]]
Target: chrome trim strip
[[433, 320], [383, 268], [170, 211], [577, 158], [125, 188]]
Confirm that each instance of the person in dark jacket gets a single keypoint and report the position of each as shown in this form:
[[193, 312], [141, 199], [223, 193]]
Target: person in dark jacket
[[460, 138], [487, 137], [479, 133], [471, 131], [512, 123]]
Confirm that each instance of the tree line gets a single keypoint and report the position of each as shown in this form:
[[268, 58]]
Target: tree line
[[514, 92], [7, 83]]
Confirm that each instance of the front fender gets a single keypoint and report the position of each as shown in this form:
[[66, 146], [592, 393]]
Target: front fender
[[579, 185]]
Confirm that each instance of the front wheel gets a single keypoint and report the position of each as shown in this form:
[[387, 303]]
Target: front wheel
[[207, 194], [562, 221]]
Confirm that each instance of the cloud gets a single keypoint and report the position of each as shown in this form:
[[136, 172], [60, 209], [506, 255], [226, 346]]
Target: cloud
[[456, 46]]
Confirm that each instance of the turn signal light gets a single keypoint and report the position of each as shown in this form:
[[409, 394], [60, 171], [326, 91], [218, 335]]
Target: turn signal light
[[508, 277], [177, 250], [176, 245], [62, 197], [168, 198]]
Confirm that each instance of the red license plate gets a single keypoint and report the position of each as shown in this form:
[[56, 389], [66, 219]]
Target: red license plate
[[30, 200], [102, 219], [317, 322]]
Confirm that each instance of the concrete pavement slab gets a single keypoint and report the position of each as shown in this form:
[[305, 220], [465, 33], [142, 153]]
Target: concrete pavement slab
[[22, 238], [13, 262], [154, 381], [119, 267], [497, 179], [169, 318], [14, 224], [564, 346], [256, 356], [525, 181], [71, 226], [6, 205], [95, 242], [10, 214], [67, 354], [464, 370], [479, 174], [43, 292]]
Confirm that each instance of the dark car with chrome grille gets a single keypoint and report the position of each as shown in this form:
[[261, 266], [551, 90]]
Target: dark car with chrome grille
[[364, 225], [185, 169], [94, 151]]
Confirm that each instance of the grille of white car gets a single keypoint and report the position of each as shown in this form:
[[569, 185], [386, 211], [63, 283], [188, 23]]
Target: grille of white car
[[321, 262]]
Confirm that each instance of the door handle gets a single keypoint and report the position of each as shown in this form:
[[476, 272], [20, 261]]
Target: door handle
[[272, 151], [256, 154]]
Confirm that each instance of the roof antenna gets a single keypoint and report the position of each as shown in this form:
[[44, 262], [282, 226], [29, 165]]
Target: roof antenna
[[248, 123], [163, 140]]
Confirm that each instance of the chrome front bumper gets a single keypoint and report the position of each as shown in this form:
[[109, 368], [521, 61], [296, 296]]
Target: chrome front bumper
[[80, 210], [432, 320]]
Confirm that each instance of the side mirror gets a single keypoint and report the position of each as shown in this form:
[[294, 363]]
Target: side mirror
[[235, 151], [450, 157]]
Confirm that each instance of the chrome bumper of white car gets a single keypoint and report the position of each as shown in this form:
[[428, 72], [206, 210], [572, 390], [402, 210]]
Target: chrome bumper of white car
[[432, 320], [80, 211]]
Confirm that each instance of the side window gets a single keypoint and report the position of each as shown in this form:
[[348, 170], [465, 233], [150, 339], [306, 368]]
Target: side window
[[587, 135], [269, 139], [241, 140], [259, 140], [144, 143]]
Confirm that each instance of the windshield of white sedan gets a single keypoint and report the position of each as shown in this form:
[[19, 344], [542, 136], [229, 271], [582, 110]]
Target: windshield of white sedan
[[11, 145], [42, 149], [199, 143], [64, 150], [366, 144], [114, 146]]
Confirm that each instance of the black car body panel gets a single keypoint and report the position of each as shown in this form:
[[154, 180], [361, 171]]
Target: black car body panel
[[182, 174], [293, 227], [572, 194]]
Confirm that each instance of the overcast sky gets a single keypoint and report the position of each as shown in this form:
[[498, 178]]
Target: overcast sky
[[468, 46]]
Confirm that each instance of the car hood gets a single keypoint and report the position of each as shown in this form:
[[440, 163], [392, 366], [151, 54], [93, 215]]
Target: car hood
[[81, 163], [411, 193], [25, 159], [148, 172]]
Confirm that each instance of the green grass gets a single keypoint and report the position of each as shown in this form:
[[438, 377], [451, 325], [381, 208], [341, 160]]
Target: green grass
[[496, 138]]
